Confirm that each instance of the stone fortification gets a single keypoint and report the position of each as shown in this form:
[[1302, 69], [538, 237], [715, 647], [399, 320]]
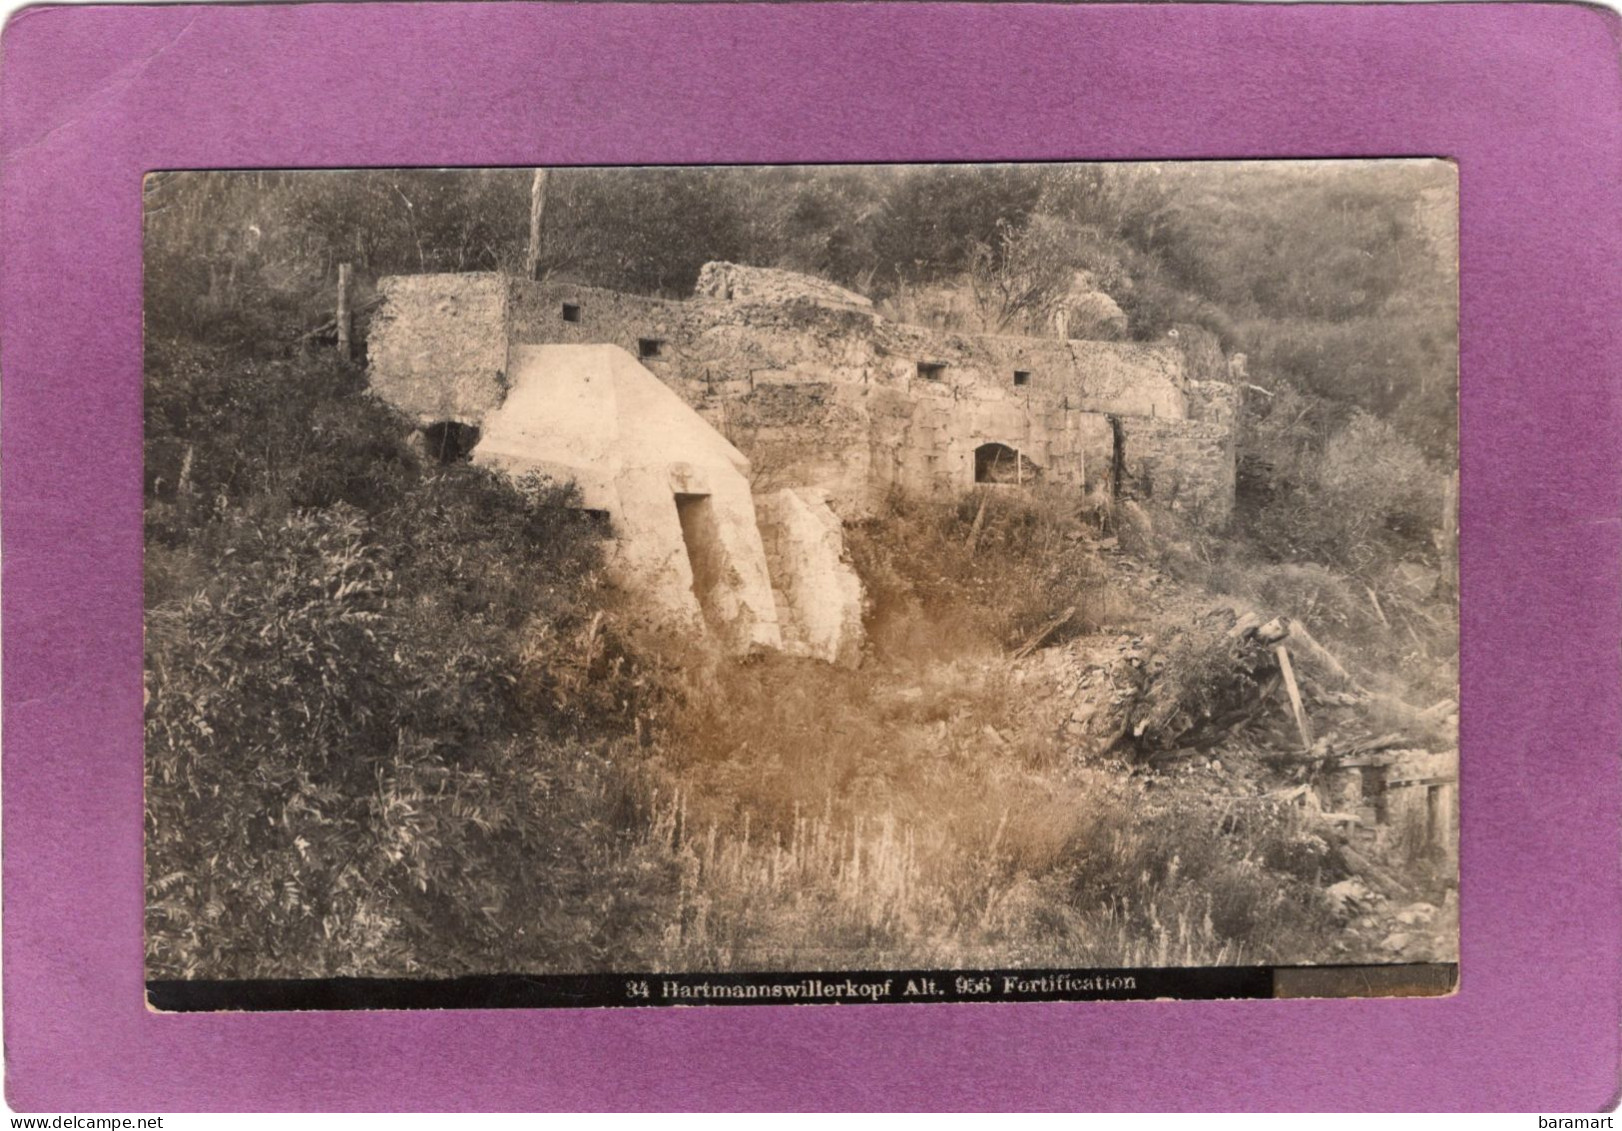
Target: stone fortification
[[818, 390]]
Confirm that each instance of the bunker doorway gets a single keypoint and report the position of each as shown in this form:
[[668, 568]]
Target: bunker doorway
[[705, 554], [998, 463], [450, 441]]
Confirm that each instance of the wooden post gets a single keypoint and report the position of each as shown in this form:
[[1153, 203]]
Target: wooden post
[[1295, 695], [1375, 775], [343, 319], [1447, 836], [537, 206]]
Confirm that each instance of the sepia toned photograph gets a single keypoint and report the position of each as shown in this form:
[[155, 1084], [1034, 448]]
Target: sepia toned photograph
[[800, 584]]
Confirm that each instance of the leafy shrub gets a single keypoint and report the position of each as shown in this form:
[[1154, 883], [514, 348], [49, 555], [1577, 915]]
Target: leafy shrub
[[984, 571], [1344, 488], [382, 694]]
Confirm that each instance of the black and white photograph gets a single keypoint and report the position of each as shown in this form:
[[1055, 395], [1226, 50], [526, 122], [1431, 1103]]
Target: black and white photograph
[[707, 585]]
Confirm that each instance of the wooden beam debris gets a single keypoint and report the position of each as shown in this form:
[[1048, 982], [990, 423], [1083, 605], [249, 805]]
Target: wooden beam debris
[[1319, 654], [1048, 630], [1294, 691]]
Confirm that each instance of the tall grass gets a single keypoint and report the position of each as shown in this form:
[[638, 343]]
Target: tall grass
[[818, 817]]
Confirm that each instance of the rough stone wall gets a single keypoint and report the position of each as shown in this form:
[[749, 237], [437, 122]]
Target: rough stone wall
[[438, 345], [818, 594], [537, 316], [734, 282], [1215, 401], [825, 394], [832, 396], [1184, 465]]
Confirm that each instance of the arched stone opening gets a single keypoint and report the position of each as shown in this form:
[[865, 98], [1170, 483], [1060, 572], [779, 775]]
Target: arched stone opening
[[999, 463]]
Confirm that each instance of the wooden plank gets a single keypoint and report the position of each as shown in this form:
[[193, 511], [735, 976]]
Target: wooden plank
[[1294, 691], [1305, 641], [1048, 630]]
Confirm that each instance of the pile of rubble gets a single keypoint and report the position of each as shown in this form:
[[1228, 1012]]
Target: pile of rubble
[[1385, 928], [1284, 722]]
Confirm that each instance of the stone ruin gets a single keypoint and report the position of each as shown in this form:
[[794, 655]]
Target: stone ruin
[[729, 436]]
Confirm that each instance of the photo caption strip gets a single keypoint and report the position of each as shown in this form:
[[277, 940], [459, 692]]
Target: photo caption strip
[[868, 987]]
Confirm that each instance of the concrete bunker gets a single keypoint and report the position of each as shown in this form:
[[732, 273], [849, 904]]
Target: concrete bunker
[[818, 593], [818, 390], [676, 491], [1001, 464]]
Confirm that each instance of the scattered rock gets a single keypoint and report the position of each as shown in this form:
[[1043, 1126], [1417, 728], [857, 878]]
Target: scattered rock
[[1416, 915], [1349, 898]]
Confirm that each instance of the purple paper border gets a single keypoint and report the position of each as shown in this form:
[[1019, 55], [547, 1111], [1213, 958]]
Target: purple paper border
[[1526, 97]]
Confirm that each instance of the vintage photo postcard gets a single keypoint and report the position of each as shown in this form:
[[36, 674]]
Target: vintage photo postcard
[[800, 584]]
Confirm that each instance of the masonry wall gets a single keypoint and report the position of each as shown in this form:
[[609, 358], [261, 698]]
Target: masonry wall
[[834, 396], [438, 345], [1186, 466], [819, 394], [1215, 401]]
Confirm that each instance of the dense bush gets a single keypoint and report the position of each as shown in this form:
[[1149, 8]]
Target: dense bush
[[982, 571], [382, 692], [1321, 483]]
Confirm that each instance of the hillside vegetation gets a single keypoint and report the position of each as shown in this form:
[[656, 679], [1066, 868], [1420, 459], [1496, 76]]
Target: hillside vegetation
[[399, 722]]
